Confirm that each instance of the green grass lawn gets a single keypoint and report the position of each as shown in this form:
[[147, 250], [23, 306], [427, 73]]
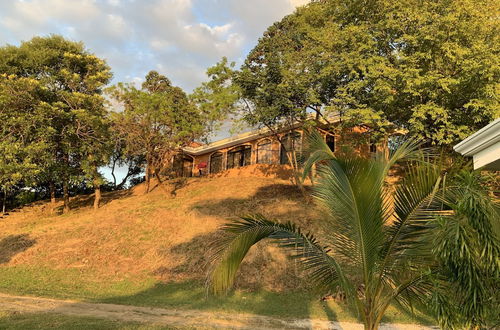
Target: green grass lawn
[[147, 291], [15, 321]]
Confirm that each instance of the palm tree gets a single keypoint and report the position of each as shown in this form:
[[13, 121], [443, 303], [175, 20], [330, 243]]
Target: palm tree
[[378, 243], [466, 248]]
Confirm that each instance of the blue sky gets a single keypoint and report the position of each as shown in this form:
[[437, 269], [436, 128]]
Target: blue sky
[[178, 38]]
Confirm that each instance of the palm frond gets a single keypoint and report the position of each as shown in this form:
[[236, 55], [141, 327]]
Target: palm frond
[[350, 189], [467, 248], [318, 152], [242, 234], [409, 150], [415, 205]]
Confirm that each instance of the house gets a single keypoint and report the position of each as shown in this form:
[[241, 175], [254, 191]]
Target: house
[[259, 146], [483, 146]]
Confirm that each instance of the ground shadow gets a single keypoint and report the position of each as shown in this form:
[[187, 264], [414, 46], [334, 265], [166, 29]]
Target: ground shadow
[[14, 244], [85, 201], [171, 186], [194, 295], [265, 196]]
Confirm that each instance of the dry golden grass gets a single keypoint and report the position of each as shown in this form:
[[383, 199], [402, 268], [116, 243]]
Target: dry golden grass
[[158, 234]]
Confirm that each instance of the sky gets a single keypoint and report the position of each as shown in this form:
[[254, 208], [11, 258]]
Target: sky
[[178, 38]]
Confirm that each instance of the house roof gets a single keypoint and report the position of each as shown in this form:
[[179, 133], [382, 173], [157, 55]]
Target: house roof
[[239, 139], [229, 142], [483, 146]]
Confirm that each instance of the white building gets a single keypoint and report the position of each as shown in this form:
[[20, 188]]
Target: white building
[[483, 146]]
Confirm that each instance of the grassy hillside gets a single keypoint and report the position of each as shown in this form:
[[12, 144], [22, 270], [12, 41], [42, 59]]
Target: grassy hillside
[[149, 249]]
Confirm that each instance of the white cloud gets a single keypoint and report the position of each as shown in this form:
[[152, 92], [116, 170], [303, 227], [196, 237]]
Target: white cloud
[[297, 3], [179, 38]]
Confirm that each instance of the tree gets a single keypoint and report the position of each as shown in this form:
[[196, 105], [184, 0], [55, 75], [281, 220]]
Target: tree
[[378, 246], [120, 158], [22, 136], [223, 95], [96, 147], [430, 67], [71, 81], [466, 247], [156, 122]]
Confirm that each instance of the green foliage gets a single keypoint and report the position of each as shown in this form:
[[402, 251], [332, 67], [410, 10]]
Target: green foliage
[[430, 67], [55, 118], [21, 125], [218, 98], [383, 244], [467, 248], [156, 120]]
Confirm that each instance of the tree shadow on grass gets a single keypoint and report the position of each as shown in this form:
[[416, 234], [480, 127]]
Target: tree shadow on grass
[[86, 201], [266, 199], [193, 295], [14, 244]]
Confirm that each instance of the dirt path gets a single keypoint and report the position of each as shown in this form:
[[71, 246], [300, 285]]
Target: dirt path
[[172, 317]]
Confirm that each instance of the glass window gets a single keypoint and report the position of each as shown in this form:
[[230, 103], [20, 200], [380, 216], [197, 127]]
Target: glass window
[[265, 152], [216, 162], [239, 156], [330, 141], [183, 165]]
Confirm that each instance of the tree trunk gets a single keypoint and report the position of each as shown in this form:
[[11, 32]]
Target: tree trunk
[[4, 201], [113, 174], [148, 175], [157, 176], [372, 319], [97, 187], [52, 189], [371, 324], [97, 197], [296, 175], [66, 195], [121, 184]]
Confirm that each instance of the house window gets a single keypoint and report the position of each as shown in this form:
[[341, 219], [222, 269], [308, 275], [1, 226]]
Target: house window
[[373, 148], [265, 152], [291, 142], [239, 156], [183, 165], [216, 162], [330, 142]]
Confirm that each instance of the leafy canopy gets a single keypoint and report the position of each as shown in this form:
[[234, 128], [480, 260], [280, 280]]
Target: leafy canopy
[[430, 67], [157, 120], [55, 115]]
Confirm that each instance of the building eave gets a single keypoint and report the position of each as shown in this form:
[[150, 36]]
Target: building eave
[[241, 138], [481, 140], [230, 141]]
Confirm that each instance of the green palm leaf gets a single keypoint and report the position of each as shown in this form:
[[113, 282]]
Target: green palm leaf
[[413, 242], [242, 234]]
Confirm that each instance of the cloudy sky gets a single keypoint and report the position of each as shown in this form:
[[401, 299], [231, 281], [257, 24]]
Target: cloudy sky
[[178, 38]]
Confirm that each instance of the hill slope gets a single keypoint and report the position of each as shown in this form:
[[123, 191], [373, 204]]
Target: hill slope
[[157, 234], [150, 249]]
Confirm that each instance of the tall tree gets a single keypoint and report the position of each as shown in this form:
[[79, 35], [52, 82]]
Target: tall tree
[[224, 95], [430, 67], [22, 133], [72, 79], [156, 122]]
